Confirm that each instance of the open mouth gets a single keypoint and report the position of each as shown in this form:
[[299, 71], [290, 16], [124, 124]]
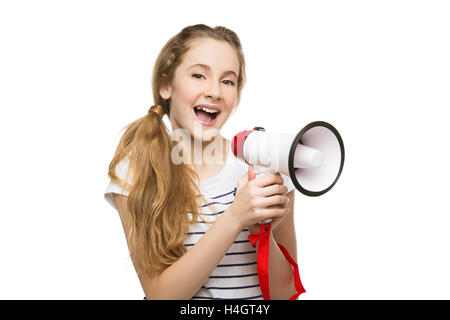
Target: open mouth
[[205, 115]]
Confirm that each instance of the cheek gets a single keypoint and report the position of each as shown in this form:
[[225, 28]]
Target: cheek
[[188, 92], [230, 101]]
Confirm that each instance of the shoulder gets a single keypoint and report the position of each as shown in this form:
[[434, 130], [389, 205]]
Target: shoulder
[[120, 201], [121, 204]]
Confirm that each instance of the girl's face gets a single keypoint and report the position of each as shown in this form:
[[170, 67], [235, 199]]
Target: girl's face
[[207, 76]]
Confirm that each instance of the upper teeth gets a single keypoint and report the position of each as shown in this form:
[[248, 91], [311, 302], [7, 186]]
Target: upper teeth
[[207, 109]]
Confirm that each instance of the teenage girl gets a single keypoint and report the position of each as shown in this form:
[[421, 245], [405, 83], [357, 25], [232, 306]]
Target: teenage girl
[[187, 222]]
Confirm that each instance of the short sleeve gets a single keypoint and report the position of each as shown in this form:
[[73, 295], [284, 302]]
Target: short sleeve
[[113, 187]]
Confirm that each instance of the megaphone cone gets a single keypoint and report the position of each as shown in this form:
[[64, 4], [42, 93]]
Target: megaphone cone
[[313, 158]]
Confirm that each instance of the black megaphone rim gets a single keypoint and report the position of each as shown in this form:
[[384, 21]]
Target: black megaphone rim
[[298, 139]]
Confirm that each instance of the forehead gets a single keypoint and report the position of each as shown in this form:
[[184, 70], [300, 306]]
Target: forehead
[[217, 54]]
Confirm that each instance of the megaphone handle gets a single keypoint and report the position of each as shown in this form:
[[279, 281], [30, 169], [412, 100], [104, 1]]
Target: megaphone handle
[[263, 171], [260, 170]]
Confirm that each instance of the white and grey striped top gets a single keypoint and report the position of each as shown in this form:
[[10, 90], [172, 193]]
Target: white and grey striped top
[[235, 277]]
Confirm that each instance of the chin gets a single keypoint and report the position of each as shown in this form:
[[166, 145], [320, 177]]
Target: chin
[[205, 138], [204, 134]]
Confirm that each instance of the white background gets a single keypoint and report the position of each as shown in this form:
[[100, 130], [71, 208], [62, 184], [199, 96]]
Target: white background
[[74, 73]]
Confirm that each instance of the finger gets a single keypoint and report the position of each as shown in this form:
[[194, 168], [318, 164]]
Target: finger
[[272, 213], [278, 206], [273, 190], [247, 177], [243, 181], [274, 200], [251, 173], [268, 180]]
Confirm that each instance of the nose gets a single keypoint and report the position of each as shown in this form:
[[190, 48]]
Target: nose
[[214, 92]]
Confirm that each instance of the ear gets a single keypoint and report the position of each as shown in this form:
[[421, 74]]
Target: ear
[[165, 90]]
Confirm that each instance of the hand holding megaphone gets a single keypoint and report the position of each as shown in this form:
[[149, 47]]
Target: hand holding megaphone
[[263, 171], [258, 198]]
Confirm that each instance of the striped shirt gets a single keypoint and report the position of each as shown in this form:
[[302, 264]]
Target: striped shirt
[[236, 276]]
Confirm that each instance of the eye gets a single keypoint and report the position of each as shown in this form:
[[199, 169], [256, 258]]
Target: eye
[[197, 74], [231, 82]]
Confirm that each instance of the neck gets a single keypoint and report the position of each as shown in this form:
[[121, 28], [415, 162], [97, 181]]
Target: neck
[[206, 153], [201, 154]]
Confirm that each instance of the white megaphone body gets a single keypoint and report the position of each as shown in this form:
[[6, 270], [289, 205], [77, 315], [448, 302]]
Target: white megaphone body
[[313, 158]]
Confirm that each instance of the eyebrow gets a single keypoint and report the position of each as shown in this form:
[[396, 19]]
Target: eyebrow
[[204, 66]]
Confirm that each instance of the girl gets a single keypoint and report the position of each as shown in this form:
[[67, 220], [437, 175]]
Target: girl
[[187, 222]]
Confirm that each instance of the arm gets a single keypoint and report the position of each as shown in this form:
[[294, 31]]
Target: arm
[[281, 275], [186, 276], [284, 232]]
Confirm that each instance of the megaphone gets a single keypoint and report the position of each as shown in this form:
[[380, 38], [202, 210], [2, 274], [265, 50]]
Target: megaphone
[[313, 158]]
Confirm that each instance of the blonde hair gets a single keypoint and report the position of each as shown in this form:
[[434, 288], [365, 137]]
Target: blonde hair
[[162, 193]]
